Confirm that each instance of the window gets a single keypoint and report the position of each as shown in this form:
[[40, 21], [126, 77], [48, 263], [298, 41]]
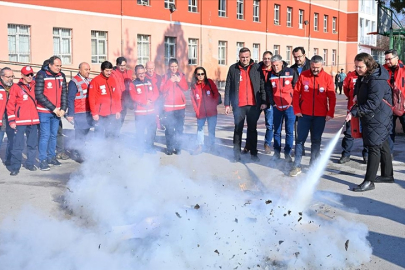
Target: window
[[325, 57], [316, 17], [334, 19], [192, 5], [256, 10], [256, 52], [276, 49], [239, 9], [222, 52], [239, 45], [277, 14], [333, 57], [288, 54], [222, 8], [170, 48], [168, 3], [316, 51], [143, 2], [19, 43], [143, 46], [62, 44], [325, 23], [289, 16], [98, 46], [221, 84], [300, 18], [192, 51]]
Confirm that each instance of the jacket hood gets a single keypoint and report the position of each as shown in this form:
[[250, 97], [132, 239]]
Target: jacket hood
[[45, 67], [380, 73]]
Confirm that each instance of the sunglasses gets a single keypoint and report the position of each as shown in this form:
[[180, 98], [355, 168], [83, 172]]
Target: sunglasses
[[30, 75], [200, 74]]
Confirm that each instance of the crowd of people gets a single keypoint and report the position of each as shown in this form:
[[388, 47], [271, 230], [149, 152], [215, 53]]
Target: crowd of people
[[302, 97]]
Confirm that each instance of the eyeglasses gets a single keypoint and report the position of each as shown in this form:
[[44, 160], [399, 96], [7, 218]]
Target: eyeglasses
[[267, 58], [298, 56], [200, 74], [29, 75], [9, 77], [389, 59]]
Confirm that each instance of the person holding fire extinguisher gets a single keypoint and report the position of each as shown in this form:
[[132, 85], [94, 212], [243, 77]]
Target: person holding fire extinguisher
[[371, 95]]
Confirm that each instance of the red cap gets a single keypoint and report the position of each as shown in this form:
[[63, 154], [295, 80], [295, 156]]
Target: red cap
[[27, 70]]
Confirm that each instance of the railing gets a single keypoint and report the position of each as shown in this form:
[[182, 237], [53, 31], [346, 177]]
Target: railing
[[368, 40], [69, 72]]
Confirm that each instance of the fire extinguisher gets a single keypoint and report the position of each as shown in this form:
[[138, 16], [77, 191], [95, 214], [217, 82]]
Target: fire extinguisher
[[356, 128]]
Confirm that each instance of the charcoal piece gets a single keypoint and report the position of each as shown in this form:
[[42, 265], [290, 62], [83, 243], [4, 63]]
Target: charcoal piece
[[347, 244], [178, 215]]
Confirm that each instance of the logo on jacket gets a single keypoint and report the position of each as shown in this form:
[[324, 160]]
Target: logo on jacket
[[208, 92], [197, 96], [354, 81], [150, 88], [274, 84], [139, 90], [287, 73], [49, 85], [306, 87], [25, 97], [321, 89], [103, 91], [1, 96], [287, 82], [240, 78]]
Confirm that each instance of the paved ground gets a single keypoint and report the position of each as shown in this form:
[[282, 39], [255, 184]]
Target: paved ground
[[382, 210]]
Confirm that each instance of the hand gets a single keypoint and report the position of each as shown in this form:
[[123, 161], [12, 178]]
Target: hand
[[349, 117], [61, 113], [298, 115], [13, 125], [355, 99], [227, 109], [56, 111], [263, 107], [328, 118], [96, 117], [70, 119], [117, 115], [173, 78]]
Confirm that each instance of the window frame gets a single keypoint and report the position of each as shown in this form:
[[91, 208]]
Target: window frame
[[276, 14], [239, 45], [168, 46], [195, 46], [289, 16], [141, 58], [168, 3], [325, 57], [325, 23], [256, 10], [301, 19], [99, 57], [256, 52], [193, 6], [288, 54], [61, 37], [18, 34], [222, 4], [222, 45], [276, 49], [316, 21], [240, 9], [334, 23]]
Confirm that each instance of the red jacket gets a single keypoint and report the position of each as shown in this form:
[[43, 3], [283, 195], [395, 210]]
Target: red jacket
[[123, 80], [104, 98], [246, 93], [348, 88], [314, 95], [143, 92], [282, 85], [156, 79], [22, 106], [3, 102], [81, 104], [399, 77], [205, 99], [173, 93]]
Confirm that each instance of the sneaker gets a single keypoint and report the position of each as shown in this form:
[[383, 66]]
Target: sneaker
[[54, 162], [43, 166], [14, 173], [62, 155], [295, 171], [344, 159], [255, 158], [32, 168], [288, 158], [267, 149]]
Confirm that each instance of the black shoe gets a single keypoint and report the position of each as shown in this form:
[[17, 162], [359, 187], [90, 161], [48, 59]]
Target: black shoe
[[169, 152], [384, 179], [32, 168], [177, 151], [365, 186], [344, 159], [43, 166], [255, 158], [365, 159], [54, 162], [14, 173], [245, 151]]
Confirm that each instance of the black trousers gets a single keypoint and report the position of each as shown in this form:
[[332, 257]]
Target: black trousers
[[19, 143], [376, 155], [174, 123], [252, 114], [145, 132]]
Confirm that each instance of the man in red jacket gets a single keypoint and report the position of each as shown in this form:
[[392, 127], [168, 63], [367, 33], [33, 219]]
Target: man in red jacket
[[396, 70], [23, 118], [156, 79], [144, 97], [314, 104], [105, 102]]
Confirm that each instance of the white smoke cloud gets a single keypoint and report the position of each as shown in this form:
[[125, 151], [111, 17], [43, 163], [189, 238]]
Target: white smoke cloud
[[133, 212]]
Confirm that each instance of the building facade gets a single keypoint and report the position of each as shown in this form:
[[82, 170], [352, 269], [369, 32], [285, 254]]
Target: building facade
[[196, 32]]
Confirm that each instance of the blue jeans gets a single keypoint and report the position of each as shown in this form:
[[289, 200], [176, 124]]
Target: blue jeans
[[212, 123], [19, 143], [268, 117], [49, 124], [279, 117], [306, 123], [10, 140]]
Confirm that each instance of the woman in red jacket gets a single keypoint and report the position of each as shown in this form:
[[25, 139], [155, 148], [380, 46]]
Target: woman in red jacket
[[205, 98], [174, 85]]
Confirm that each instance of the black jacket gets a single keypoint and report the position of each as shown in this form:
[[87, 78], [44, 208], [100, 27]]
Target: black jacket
[[232, 85], [375, 115], [39, 89], [306, 66]]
